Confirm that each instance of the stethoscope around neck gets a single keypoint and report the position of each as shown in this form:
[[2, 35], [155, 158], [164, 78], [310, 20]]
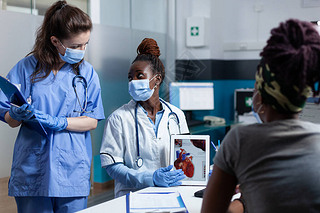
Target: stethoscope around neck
[[76, 78], [85, 85], [171, 115]]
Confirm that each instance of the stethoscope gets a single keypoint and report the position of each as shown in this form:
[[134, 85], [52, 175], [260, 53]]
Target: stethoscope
[[77, 78], [85, 85], [171, 115]]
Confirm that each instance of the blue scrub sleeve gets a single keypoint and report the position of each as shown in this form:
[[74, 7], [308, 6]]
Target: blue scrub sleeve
[[130, 177], [95, 106], [4, 108], [16, 77]]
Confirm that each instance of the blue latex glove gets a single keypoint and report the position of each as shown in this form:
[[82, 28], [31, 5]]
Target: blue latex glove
[[51, 122], [165, 177], [25, 112]]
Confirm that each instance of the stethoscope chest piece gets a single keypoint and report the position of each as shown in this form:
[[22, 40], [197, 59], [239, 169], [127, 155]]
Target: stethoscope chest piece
[[139, 161]]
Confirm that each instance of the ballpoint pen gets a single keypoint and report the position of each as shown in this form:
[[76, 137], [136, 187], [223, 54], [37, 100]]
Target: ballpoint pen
[[215, 148], [15, 105]]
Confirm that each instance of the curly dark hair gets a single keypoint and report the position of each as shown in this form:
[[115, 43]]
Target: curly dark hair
[[293, 54], [149, 51]]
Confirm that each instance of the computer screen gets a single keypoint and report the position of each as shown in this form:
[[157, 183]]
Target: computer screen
[[192, 95], [243, 105], [243, 100]]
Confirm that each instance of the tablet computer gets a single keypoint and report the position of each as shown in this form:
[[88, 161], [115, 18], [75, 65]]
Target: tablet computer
[[191, 154]]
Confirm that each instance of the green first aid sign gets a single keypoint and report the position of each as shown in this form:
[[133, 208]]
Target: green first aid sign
[[194, 31], [248, 101]]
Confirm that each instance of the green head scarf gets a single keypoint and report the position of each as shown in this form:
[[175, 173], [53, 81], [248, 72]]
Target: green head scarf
[[281, 96]]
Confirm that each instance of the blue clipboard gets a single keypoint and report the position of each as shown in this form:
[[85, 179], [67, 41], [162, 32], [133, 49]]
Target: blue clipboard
[[15, 97], [154, 208]]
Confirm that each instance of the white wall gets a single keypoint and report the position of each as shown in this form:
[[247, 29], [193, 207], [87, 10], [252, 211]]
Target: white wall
[[15, 43], [185, 9], [115, 13], [237, 29], [136, 14]]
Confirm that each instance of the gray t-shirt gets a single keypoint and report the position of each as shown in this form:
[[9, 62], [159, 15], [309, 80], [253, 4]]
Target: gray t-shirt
[[277, 165]]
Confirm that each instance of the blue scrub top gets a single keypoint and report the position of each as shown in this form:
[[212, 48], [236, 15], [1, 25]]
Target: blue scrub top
[[59, 167]]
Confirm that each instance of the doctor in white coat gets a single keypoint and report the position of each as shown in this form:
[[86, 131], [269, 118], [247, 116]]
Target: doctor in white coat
[[136, 141]]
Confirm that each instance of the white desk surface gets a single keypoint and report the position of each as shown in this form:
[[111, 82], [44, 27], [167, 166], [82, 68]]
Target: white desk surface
[[118, 205]]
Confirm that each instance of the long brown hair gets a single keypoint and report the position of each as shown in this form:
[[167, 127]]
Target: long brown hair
[[62, 21]]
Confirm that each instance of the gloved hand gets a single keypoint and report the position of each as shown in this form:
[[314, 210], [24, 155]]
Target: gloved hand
[[25, 112], [51, 122], [165, 177]]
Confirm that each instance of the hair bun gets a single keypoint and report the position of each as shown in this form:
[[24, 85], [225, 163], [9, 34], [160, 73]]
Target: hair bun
[[148, 46]]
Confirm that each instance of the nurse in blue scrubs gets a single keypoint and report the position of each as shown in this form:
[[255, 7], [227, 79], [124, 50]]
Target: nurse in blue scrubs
[[52, 174]]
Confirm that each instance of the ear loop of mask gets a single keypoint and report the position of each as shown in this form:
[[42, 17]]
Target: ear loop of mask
[[152, 79], [259, 108], [256, 114]]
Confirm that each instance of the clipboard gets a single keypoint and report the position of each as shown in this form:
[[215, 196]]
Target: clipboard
[[15, 97], [191, 153], [155, 202]]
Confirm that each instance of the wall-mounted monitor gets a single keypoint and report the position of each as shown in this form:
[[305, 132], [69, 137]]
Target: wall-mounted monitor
[[192, 95], [243, 104]]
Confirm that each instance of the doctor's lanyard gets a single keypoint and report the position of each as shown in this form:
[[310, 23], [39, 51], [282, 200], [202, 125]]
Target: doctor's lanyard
[[139, 160]]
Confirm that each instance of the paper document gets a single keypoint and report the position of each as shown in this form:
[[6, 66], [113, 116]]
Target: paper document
[[15, 97], [155, 202]]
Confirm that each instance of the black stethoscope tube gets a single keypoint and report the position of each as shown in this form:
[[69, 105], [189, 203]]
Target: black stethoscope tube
[[139, 160], [85, 85]]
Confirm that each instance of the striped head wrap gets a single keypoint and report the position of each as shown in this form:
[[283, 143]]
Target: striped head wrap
[[282, 96]]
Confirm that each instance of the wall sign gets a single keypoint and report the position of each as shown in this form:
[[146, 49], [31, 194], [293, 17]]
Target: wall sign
[[195, 35]]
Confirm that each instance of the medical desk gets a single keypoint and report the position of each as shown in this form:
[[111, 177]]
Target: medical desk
[[193, 204], [118, 205], [199, 129]]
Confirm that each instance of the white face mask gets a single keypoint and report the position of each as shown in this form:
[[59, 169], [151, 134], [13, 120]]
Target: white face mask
[[140, 89]]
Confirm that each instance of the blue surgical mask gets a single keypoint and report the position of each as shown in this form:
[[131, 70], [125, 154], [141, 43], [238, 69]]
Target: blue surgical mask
[[72, 56], [256, 115], [140, 89]]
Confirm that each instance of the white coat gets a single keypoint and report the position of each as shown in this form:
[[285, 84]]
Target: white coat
[[119, 144]]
